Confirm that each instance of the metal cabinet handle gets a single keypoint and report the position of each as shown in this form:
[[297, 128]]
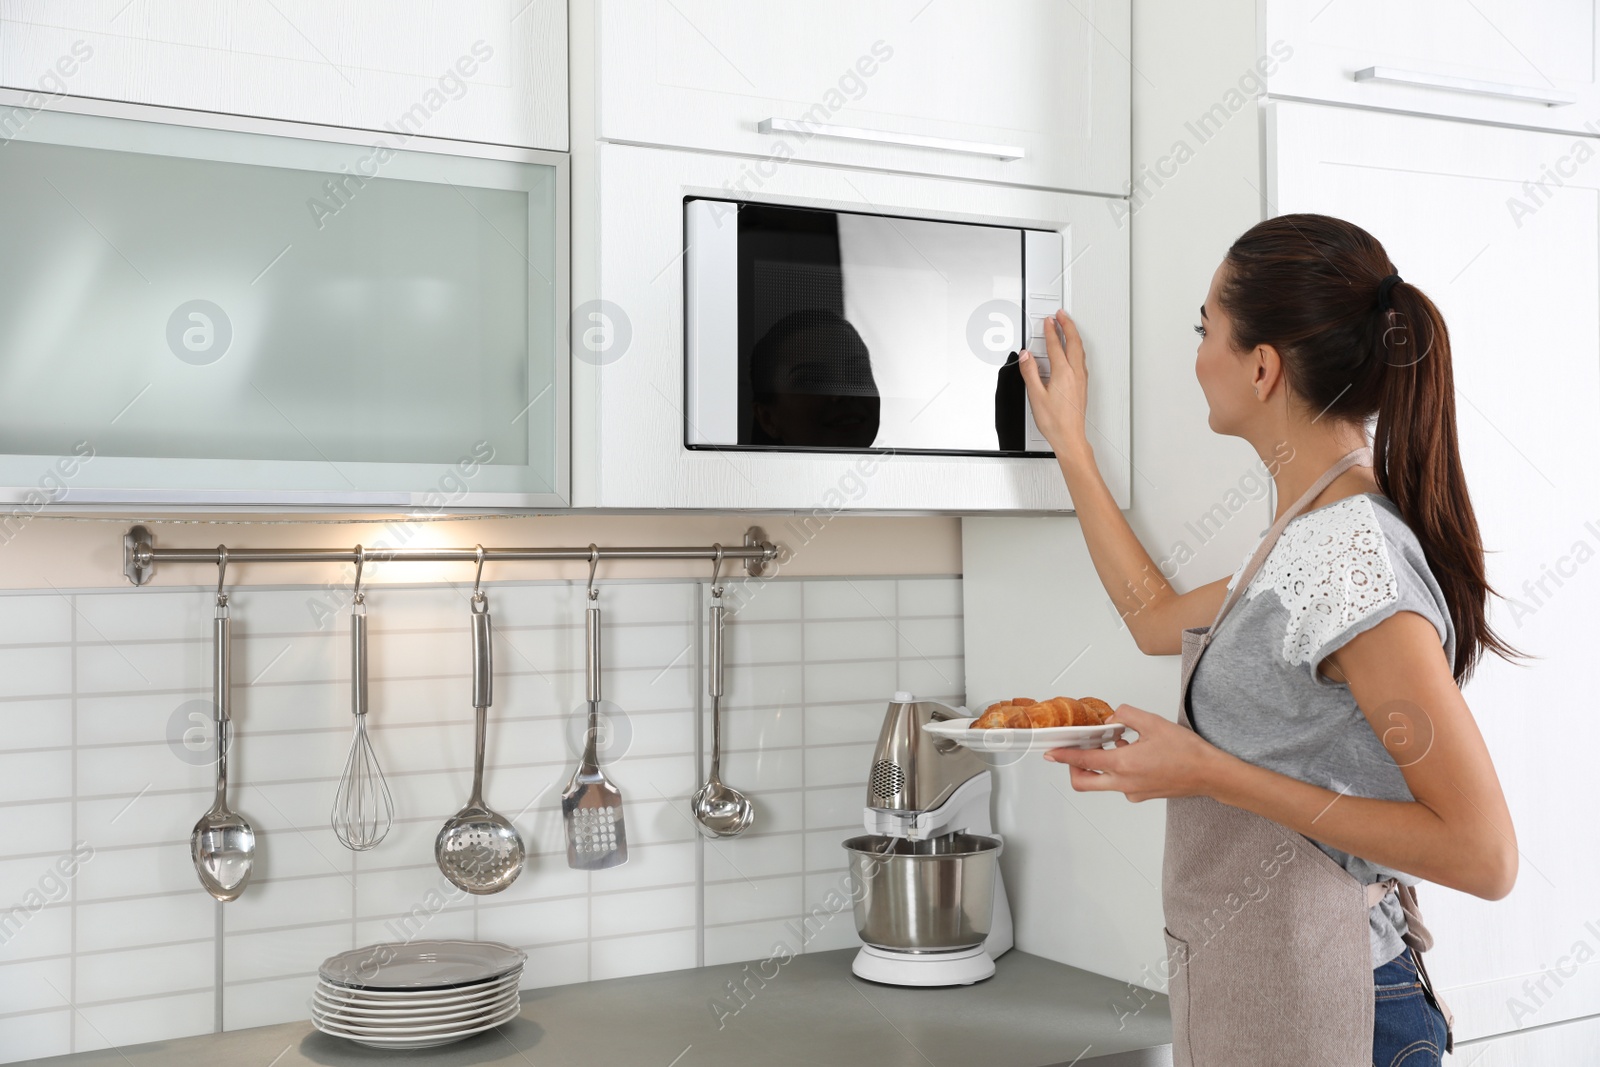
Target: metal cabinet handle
[[1526, 94], [912, 140]]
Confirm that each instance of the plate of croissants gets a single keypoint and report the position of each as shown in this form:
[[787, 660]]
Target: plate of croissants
[[1022, 723]]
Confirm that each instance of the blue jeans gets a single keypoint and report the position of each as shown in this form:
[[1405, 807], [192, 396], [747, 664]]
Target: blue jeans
[[1408, 1030]]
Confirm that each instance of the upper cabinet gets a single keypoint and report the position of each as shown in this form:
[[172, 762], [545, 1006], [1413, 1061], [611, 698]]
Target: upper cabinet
[[1027, 92], [476, 70], [268, 314], [269, 253], [838, 341], [1502, 61]]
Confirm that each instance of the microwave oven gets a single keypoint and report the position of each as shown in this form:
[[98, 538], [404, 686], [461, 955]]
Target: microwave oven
[[816, 330]]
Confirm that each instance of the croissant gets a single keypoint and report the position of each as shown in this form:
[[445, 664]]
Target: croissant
[[993, 717], [1025, 713], [1004, 715], [1097, 707], [1047, 713]]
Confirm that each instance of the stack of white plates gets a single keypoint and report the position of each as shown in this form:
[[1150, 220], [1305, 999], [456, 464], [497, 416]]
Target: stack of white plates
[[417, 994]]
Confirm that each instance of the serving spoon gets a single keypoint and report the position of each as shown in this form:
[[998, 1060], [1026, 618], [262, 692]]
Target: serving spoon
[[721, 810], [223, 843]]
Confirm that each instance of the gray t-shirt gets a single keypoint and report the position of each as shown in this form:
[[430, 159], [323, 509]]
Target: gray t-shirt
[[1335, 572]]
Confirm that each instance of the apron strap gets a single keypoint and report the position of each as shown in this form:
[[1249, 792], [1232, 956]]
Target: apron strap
[[1356, 457], [1420, 940]]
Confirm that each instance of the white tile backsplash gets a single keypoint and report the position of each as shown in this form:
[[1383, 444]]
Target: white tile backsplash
[[104, 727], [44, 670], [26, 776], [32, 986], [28, 829], [618, 957], [162, 970], [37, 1034], [32, 620], [847, 598], [26, 724]]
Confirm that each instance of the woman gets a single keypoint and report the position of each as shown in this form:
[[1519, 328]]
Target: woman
[[1328, 706]]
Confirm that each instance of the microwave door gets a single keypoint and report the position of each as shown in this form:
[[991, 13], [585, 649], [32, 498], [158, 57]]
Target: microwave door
[[915, 290], [811, 330]]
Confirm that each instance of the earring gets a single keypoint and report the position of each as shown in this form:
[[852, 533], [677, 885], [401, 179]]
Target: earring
[[1258, 392]]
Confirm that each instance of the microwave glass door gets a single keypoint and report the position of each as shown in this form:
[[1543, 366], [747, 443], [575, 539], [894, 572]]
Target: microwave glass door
[[831, 330]]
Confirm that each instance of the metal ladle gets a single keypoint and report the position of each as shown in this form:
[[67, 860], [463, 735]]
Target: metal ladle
[[478, 849], [721, 810], [223, 843]]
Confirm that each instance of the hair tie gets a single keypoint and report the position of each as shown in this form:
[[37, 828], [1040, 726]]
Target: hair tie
[[1384, 288]]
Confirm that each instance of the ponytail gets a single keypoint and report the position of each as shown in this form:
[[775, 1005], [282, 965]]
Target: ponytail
[[1357, 341]]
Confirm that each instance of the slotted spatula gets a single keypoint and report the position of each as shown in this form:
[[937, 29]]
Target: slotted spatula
[[591, 805]]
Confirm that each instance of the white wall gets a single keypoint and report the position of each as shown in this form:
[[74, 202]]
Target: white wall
[[1084, 870]]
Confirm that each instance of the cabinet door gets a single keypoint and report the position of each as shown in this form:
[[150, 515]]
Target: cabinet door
[[476, 70], [1519, 285], [232, 316], [1034, 92], [628, 373], [1503, 61]]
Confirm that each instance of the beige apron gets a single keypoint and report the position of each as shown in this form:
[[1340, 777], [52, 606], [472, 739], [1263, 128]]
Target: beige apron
[[1268, 950]]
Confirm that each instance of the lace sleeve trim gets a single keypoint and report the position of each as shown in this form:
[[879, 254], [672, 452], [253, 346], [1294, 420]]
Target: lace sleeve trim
[[1331, 569]]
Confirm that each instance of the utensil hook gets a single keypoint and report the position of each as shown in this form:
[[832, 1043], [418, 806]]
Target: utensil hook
[[480, 601], [222, 570], [594, 560], [716, 568], [359, 596]]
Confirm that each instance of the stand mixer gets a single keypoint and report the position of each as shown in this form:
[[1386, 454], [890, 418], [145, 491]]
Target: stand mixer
[[930, 904]]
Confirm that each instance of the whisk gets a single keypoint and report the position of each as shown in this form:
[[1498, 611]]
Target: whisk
[[363, 810]]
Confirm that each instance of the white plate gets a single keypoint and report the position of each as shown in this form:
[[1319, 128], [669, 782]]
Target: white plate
[[1005, 739], [357, 1017], [419, 1025], [423, 1041], [419, 1029], [431, 965], [404, 995], [421, 998], [392, 1010]]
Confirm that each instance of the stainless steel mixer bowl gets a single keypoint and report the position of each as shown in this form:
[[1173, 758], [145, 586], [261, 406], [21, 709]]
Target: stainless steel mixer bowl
[[923, 896]]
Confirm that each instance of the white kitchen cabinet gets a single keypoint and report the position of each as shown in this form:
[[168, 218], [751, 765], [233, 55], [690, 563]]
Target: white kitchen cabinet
[[253, 313], [628, 409], [1028, 92], [1502, 61], [1518, 282], [475, 70]]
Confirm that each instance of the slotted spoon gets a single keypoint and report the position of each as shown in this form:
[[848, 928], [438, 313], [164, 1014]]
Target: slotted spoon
[[478, 849]]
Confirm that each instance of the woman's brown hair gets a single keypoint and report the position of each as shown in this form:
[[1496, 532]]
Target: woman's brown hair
[[1314, 288]]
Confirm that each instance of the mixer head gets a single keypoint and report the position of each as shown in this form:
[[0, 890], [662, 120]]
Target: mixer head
[[912, 770]]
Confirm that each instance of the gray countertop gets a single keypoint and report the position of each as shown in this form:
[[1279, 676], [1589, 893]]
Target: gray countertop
[[1032, 1013]]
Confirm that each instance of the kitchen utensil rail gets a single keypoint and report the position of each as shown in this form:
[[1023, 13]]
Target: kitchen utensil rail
[[140, 554]]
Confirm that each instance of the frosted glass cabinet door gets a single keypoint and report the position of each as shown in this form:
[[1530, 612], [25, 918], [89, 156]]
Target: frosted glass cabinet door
[[229, 316]]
